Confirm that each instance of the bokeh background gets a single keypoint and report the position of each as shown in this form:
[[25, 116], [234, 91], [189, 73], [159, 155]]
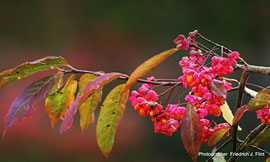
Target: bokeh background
[[118, 36]]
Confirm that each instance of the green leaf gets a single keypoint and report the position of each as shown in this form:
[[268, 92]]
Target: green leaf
[[88, 107], [217, 136], [109, 118], [191, 132], [147, 66], [261, 100], [57, 104], [261, 138], [29, 68]]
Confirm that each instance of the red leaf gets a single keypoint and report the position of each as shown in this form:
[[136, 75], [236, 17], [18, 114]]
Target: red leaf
[[217, 136], [239, 113], [218, 88], [22, 108], [89, 89], [147, 66], [191, 132]]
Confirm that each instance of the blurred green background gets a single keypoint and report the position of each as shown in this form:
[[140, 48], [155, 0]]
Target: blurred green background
[[118, 36]]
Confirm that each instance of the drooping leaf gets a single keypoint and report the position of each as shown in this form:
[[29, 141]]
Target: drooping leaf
[[29, 68], [57, 104], [239, 113], [227, 114], [22, 108], [251, 92], [261, 138], [147, 66], [261, 100], [91, 87], [217, 136], [87, 108], [109, 118], [191, 132], [217, 87]]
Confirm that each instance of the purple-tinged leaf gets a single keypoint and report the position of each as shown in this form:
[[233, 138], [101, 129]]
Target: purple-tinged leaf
[[217, 87], [22, 108], [191, 132], [92, 87]]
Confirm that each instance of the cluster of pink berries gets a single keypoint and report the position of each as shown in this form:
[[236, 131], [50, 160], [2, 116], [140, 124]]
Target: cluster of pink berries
[[264, 115], [145, 102], [209, 90]]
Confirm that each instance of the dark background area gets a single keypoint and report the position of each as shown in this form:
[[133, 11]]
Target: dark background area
[[118, 36]]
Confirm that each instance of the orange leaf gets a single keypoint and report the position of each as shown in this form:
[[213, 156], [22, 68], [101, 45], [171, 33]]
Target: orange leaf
[[109, 118], [191, 132], [147, 66]]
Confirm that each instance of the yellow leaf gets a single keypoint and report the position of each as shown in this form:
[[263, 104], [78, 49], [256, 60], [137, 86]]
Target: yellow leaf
[[57, 104], [227, 114], [88, 107]]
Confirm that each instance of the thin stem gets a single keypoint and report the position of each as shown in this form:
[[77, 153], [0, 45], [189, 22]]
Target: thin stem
[[122, 78], [238, 104], [213, 43]]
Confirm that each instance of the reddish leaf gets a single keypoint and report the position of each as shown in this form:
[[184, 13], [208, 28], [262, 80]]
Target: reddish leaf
[[218, 88], [261, 100], [191, 132], [29, 68], [109, 118], [56, 104], [90, 88], [261, 138], [147, 66], [217, 136], [239, 113], [88, 107], [22, 108]]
